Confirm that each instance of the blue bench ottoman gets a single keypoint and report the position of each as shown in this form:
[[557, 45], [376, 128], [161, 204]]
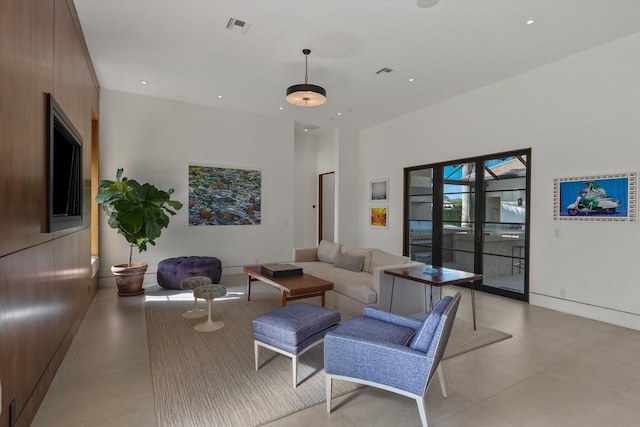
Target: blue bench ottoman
[[292, 330]]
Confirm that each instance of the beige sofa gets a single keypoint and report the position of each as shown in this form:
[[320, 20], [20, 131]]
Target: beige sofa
[[358, 277]]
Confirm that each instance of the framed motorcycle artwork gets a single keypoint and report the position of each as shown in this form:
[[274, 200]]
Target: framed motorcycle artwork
[[611, 197]]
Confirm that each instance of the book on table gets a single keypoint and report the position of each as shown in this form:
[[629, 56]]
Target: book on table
[[280, 270]]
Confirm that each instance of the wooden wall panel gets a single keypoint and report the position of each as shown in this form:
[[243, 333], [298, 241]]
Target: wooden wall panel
[[25, 316], [45, 278], [68, 64], [26, 40]]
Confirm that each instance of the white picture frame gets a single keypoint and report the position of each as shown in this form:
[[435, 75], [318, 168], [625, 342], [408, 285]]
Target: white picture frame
[[379, 216], [379, 190]]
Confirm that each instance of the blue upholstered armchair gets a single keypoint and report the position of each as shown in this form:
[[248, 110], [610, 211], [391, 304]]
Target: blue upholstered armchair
[[391, 351]]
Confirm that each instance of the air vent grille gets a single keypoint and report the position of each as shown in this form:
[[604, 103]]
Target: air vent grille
[[238, 26], [384, 70]]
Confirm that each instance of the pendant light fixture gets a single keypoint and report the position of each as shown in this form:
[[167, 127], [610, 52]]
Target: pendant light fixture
[[306, 95], [427, 3]]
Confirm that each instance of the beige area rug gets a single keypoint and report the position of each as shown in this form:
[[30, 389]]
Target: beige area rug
[[209, 379]]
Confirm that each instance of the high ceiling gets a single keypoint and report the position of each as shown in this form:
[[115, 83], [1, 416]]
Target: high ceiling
[[185, 52]]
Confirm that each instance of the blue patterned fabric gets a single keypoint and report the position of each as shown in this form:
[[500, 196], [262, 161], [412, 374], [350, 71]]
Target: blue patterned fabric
[[387, 316], [424, 337], [288, 327], [375, 330], [379, 347], [293, 348]]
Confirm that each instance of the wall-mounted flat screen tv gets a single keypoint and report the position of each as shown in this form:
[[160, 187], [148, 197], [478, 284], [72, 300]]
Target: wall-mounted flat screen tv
[[64, 171]]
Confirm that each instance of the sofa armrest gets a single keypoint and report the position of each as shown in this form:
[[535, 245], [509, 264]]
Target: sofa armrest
[[383, 284], [305, 255], [396, 319]]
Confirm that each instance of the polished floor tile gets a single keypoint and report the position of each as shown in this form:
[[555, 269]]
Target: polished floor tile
[[557, 370]]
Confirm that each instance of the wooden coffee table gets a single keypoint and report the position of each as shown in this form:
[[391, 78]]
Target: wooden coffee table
[[292, 287]]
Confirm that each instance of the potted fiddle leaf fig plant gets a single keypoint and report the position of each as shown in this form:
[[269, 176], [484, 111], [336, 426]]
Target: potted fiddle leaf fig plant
[[138, 212]]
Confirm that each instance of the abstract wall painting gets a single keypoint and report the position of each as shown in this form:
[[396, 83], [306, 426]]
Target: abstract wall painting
[[224, 196], [611, 197], [379, 217]]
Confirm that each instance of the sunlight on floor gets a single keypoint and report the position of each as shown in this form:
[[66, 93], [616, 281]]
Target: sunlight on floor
[[188, 296]]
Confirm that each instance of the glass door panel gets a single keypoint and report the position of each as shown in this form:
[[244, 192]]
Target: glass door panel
[[504, 224], [472, 215], [458, 216], [420, 208]]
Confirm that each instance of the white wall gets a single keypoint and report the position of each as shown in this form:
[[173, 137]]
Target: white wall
[[306, 192], [155, 140], [338, 151], [347, 186], [580, 117]]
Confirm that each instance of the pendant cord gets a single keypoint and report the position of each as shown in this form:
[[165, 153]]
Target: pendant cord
[[306, 75]]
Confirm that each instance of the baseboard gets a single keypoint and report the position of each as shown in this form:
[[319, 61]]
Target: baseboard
[[602, 314]]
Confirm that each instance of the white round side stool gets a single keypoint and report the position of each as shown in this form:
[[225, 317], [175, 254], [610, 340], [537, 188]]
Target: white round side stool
[[209, 292], [193, 283]]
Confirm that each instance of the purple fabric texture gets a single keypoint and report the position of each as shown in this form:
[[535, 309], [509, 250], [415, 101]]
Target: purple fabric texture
[[172, 271]]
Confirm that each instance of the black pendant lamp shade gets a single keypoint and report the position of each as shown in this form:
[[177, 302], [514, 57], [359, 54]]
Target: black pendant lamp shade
[[306, 95]]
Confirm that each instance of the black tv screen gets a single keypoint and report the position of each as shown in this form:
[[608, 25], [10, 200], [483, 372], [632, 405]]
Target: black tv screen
[[64, 171]]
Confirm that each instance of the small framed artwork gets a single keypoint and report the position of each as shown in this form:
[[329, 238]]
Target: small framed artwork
[[611, 197], [380, 190], [379, 216]]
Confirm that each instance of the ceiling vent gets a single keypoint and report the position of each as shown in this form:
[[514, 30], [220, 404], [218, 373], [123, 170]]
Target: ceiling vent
[[384, 71], [238, 26]]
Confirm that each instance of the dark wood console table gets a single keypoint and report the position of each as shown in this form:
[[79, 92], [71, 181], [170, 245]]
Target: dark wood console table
[[443, 277]]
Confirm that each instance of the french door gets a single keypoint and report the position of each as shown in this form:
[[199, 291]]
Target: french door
[[472, 215]]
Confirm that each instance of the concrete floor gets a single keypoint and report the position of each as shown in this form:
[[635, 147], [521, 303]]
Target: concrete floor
[[557, 370]]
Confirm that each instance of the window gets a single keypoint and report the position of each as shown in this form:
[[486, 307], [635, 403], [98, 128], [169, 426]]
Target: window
[[458, 218]]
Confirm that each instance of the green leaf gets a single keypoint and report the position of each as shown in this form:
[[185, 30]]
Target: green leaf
[[175, 204], [105, 196], [132, 222], [137, 211]]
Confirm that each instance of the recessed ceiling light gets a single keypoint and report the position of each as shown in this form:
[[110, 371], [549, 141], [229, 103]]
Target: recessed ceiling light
[[530, 21], [412, 79], [144, 82], [219, 96], [339, 114], [306, 130]]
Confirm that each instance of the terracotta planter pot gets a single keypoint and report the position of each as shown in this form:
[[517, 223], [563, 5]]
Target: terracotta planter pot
[[129, 278]]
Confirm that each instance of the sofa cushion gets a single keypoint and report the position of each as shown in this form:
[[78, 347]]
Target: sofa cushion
[[349, 262], [327, 251], [381, 258], [363, 328], [423, 339], [356, 285], [292, 324], [363, 252]]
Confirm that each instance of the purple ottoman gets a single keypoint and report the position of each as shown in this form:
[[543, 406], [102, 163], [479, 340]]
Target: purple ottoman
[[172, 271]]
